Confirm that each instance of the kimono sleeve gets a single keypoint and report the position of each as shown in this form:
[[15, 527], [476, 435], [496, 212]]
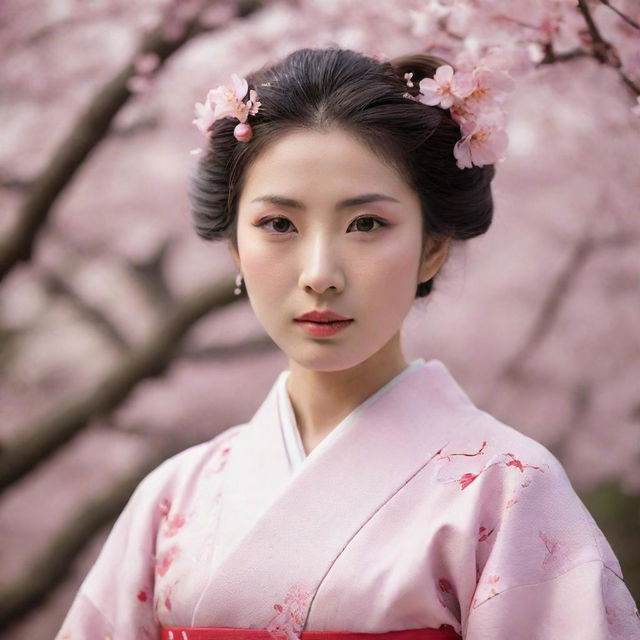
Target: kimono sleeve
[[115, 600], [590, 602], [550, 574]]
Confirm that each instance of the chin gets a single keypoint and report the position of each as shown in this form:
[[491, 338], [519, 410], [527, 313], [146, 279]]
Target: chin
[[326, 357]]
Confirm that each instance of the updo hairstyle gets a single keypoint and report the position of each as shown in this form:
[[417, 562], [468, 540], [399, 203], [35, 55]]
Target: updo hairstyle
[[317, 89]]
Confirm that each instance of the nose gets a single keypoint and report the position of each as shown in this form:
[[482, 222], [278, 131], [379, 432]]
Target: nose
[[320, 270]]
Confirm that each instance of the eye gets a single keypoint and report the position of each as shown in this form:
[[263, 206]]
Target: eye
[[380, 222], [280, 222]]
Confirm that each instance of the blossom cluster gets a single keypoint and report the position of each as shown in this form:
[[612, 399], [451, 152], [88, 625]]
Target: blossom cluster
[[474, 97]]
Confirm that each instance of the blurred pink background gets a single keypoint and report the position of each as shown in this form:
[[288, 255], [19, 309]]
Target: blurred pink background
[[539, 320]]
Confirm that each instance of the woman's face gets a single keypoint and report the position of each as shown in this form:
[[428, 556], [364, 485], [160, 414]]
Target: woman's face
[[301, 247]]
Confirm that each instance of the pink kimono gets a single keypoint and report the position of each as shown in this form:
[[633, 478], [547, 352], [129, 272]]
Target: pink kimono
[[419, 511]]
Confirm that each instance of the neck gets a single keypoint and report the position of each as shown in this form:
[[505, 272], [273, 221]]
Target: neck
[[322, 399]]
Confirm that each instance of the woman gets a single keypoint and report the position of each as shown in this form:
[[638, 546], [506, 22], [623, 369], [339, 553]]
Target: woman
[[367, 494]]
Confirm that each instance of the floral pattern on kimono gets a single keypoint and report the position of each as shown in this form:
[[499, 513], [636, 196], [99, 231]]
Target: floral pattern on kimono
[[424, 512], [518, 530], [290, 616], [127, 584]]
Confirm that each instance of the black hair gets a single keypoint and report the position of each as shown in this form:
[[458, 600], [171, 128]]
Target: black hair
[[321, 88]]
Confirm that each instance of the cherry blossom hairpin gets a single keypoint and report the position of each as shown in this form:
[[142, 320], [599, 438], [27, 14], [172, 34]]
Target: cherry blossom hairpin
[[228, 102], [473, 99]]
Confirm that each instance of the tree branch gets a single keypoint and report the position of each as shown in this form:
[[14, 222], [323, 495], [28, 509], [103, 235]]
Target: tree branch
[[85, 135], [150, 276], [625, 17], [58, 285], [559, 289], [601, 50], [43, 436], [550, 56]]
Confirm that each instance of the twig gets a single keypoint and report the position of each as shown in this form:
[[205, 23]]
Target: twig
[[550, 56], [625, 17], [602, 50]]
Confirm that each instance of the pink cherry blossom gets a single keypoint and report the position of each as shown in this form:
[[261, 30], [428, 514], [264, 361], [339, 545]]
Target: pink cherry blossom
[[490, 85], [443, 89], [491, 72], [226, 102], [463, 111], [205, 117], [252, 105], [227, 99], [483, 142]]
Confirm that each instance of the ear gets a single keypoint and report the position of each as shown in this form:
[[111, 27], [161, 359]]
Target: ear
[[234, 254], [435, 253]]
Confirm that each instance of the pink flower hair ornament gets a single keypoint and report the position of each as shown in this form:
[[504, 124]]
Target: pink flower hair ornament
[[228, 102], [473, 99]]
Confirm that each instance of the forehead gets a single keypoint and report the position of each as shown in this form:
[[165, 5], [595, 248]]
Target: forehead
[[309, 164]]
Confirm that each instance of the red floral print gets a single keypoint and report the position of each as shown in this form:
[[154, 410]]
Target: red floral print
[[164, 562], [514, 462], [288, 622], [167, 597], [508, 460], [173, 525], [483, 533], [219, 462], [448, 456], [164, 507]]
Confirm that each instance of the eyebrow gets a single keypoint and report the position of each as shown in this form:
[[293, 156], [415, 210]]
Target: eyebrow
[[343, 204]]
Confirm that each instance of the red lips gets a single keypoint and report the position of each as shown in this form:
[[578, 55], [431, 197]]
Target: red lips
[[325, 315]]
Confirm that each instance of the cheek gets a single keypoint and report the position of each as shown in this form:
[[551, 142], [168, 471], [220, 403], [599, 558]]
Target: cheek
[[267, 272], [393, 272]]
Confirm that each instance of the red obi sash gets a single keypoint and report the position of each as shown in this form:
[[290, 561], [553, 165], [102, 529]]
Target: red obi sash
[[445, 632]]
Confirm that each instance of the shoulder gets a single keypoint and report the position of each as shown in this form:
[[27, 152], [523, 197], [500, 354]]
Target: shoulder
[[203, 453], [523, 498], [198, 458], [519, 469], [485, 447], [502, 438], [182, 469]]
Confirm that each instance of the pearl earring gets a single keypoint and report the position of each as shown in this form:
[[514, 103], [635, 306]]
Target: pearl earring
[[238, 290]]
